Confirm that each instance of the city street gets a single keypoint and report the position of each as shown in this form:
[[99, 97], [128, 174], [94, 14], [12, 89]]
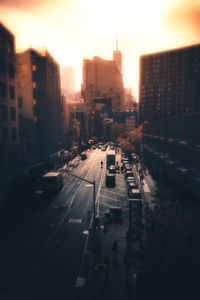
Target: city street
[[43, 256]]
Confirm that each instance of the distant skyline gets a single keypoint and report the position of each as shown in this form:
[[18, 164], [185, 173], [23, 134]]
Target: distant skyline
[[72, 30]]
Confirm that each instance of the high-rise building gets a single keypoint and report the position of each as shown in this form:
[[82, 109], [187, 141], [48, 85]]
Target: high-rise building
[[117, 58], [39, 101], [102, 83], [169, 108], [11, 153], [169, 84]]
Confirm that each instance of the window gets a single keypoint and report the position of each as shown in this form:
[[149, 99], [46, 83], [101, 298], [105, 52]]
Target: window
[[12, 92], [2, 89], [34, 67], [11, 71], [19, 84], [20, 102], [4, 112], [2, 66], [9, 47], [34, 102], [35, 119], [13, 134], [34, 85], [5, 135], [1, 43], [13, 113], [19, 68]]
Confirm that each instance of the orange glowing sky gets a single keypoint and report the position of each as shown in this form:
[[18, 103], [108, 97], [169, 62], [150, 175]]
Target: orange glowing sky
[[72, 30]]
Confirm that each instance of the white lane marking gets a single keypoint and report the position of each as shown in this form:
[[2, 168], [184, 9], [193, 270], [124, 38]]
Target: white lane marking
[[89, 185], [113, 199], [66, 214], [75, 220], [99, 189], [146, 187], [106, 204], [111, 192]]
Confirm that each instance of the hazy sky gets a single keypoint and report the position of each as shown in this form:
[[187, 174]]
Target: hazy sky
[[72, 30]]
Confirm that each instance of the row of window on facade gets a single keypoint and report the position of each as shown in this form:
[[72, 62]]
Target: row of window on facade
[[3, 68], [7, 134], [4, 113], [6, 45], [3, 90]]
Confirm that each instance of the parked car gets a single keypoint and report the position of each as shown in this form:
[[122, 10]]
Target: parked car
[[128, 169], [130, 179], [129, 174], [110, 180], [127, 166], [134, 194], [83, 155], [112, 169], [132, 185]]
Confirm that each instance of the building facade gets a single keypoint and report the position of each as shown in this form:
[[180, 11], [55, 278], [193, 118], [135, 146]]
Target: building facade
[[40, 103], [11, 152], [169, 108], [102, 83]]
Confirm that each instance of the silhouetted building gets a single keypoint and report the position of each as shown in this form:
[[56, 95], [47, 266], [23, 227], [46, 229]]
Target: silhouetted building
[[169, 107], [39, 101], [11, 153], [77, 122], [102, 83]]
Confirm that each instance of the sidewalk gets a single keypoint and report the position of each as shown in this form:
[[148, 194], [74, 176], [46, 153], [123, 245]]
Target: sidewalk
[[117, 280]]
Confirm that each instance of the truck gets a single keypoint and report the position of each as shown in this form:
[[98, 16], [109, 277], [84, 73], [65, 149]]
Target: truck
[[110, 159], [51, 182]]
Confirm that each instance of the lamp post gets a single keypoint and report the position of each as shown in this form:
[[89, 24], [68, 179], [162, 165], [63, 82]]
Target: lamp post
[[94, 193]]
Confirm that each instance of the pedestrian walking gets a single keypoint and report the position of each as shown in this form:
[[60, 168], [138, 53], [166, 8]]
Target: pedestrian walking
[[115, 247]]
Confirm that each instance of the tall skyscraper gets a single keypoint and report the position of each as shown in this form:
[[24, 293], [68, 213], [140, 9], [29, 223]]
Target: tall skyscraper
[[117, 57], [102, 83]]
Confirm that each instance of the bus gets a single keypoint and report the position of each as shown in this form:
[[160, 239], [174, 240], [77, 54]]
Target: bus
[[110, 160]]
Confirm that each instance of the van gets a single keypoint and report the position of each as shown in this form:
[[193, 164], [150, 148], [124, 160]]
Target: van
[[110, 180], [51, 182], [83, 155]]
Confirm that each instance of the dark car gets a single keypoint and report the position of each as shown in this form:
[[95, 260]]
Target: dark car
[[83, 155], [112, 169], [130, 179], [110, 180], [129, 174], [127, 166], [132, 185], [128, 169], [134, 194]]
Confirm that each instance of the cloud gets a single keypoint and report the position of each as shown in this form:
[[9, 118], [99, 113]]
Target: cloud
[[187, 15]]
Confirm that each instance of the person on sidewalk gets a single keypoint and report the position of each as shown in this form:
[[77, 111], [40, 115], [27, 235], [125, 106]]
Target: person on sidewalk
[[115, 247]]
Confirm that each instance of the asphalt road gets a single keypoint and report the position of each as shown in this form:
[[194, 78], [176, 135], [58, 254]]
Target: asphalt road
[[43, 256]]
